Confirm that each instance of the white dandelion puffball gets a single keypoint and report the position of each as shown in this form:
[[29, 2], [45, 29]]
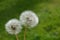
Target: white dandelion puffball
[[13, 26], [29, 18]]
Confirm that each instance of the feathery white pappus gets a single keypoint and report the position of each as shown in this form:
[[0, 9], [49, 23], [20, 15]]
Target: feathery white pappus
[[29, 18], [13, 26]]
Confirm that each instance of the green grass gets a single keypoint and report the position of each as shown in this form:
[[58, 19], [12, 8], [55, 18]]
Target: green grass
[[48, 12]]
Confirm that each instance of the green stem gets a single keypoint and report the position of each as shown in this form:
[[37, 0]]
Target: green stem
[[17, 37], [25, 33]]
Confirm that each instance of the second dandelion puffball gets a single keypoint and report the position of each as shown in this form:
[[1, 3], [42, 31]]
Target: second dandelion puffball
[[29, 18]]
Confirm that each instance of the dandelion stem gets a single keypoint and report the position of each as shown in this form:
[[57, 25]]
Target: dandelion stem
[[17, 37], [25, 33]]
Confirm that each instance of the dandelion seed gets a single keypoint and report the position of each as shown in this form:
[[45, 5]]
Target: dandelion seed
[[28, 18], [13, 27]]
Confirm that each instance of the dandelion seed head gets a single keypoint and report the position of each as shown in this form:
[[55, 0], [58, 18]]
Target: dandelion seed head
[[13, 26], [29, 18]]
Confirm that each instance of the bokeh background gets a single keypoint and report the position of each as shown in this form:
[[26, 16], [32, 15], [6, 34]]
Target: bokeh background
[[48, 12]]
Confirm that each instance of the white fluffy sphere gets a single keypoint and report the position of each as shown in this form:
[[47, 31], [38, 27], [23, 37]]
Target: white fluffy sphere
[[29, 18], [13, 26]]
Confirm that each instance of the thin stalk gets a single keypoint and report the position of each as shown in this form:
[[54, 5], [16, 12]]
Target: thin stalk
[[16, 37], [25, 33]]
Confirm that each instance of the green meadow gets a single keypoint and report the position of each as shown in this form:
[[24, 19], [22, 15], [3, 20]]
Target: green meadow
[[48, 12]]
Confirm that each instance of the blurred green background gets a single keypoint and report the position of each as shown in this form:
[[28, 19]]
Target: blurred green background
[[48, 12]]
